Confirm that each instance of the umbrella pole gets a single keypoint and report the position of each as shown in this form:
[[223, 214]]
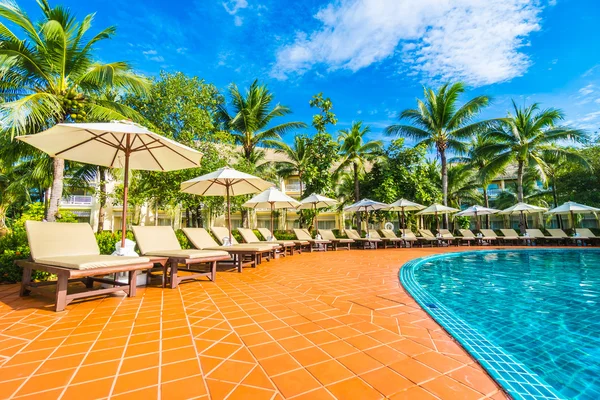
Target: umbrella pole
[[125, 192], [437, 220], [272, 205], [403, 223], [477, 223], [573, 220], [229, 215], [316, 219]]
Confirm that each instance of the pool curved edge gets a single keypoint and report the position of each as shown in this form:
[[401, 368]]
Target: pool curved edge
[[514, 376]]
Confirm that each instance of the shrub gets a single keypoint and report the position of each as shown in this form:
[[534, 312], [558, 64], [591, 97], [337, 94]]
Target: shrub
[[284, 235], [183, 240]]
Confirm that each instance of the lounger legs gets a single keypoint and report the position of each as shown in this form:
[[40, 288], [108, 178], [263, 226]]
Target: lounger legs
[[132, 281], [25, 281], [174, 279], [61, 292]]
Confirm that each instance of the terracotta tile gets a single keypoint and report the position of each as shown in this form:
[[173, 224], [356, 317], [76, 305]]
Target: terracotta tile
[[186, 388], [97, 371], [98, 389], [18, 371], [344, 332], [103, 355], [329, 372], [310, 356], [145, 393], [256, 338], [136, 380], [39, 383], [142, 348], [414, 393], [257, 377], [319, 394], [439, 362], [414, 370], [353, 388], [248, 392], [8, 388], [363, 342], [386, 355], [266, 350], [409, 347], [179, 370], [475, 379], [56, 364], [359, 363], [386, 381], [295, 343], [295, 382], [279, 364], [222, 350], [338, 349], [282, 333], [231, 371], [178, 342], [47, 395], [219, 390], [446, 387], [243, 354]]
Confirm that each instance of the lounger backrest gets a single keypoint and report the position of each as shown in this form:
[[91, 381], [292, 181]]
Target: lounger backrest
[[535, 233], [446, 233], [585, 233], [200, 238], [352, 234], [467, 233], [327, 234], [52, 239], [388, 233], [374, 234], [409, 234], [426, 233], [248, 235], [265, 232], [155, 238], [221, 233], [489, 233], [559, 233], [509, 233], [302, 234]]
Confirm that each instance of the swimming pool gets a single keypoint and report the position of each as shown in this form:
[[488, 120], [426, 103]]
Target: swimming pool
[[531, 317]]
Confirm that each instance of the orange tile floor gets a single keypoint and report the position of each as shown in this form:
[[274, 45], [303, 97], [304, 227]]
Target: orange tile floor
[[312, 326]]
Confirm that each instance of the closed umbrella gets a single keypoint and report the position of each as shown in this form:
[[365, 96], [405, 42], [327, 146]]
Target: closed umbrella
[[476, 211], [118, 144], [436, 209], [402, 206], [522, 209], [366, 205], [316, 201], [571, 208], [272, 199], [226, 182]]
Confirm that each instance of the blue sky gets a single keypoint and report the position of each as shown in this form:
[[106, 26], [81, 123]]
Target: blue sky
[[370, 56]]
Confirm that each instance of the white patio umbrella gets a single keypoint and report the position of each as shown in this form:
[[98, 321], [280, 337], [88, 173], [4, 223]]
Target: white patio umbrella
[[436, 209], [402, 206], [476, 211], [366, 205], [226, 182], [117, 144], [316, 201], [522, 209], [272, 199], [571, 208]]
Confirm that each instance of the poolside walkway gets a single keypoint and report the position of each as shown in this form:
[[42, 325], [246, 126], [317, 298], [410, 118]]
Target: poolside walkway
[[314, 326]]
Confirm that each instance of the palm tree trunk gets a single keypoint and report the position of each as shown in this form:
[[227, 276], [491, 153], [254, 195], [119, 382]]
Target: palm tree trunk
[[187, 218], [57, 189], [444, 184], [103, 196], [301, 185], [486, 201], [357, 194], [520, 170], [555, 198]]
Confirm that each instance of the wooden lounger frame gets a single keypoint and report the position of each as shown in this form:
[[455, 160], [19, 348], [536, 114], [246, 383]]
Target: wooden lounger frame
[[88, 277], [174, 262]]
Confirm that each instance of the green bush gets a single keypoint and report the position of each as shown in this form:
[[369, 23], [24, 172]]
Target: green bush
[[284, 235], [107, 240], [183, 240]]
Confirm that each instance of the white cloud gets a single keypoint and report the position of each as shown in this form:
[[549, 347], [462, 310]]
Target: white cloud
[[238, 21], [233, 6], [584, 91], [150, 52], [472, 40], [182, 50], [157, 58]]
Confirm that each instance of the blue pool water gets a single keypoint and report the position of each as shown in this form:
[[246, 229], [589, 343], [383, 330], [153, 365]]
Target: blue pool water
[[542, 308]]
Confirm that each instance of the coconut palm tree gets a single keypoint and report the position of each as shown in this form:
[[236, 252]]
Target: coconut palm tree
[[48, 74], [250, 122], [523, 136], [297, 159], [438, 122], [462, 185]]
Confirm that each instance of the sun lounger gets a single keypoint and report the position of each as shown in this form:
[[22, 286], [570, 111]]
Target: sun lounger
[[315, 244], [242, 255], [161, 241], [446, 234], [266, 233], [539, 235], [467, 233], [564, 238], [250, 238], [408, 237], [385, 240], [327, 234], [266, 251], [367, 243], [70, 252], [508, 235], [585, 233], [428, 237]]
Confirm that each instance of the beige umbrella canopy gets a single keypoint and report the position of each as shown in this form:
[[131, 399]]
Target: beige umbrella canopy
[[316, 201], [404, 205], [272, 199], [476, 211], [522, 209], [366, 205], [436, 209], [571, 208], [118, 144], [226, 182]]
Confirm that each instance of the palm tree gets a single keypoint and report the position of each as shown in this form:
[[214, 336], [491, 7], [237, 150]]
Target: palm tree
[[47, 77], [356, 151], [439, 123], [252, 116], [523, 137], [297, 158], [462, 186]]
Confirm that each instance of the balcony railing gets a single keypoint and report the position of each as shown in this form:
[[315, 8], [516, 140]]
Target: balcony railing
[[77, 201], [292, 187]]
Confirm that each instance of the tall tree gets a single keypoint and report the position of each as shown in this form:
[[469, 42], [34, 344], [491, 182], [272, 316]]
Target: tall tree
[[296, 163], [47, 76], [523, 136], [438, 122], [252, 116]]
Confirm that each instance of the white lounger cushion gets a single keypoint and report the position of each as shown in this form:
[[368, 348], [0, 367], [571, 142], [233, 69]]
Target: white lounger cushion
[[92, 261], [60, 239], [189, 253]]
